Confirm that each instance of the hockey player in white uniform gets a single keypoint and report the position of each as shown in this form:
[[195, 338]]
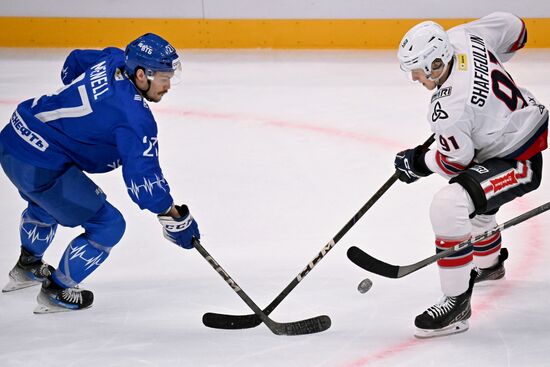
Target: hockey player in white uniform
[[489, 134]]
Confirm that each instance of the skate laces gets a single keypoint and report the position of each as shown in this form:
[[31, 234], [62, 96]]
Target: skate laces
[[445, 305], [72, 295]]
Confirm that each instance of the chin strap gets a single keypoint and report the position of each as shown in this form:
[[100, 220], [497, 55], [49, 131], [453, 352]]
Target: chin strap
[[143, 92], [445, 68]]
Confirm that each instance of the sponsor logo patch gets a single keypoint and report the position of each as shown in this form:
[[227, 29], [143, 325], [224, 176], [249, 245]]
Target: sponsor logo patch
[[118, 75], [443, 92], [501, 182], [462, 62], [510, 179], [27, 134]]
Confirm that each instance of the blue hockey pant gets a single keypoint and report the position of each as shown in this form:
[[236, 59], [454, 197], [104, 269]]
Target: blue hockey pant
[[71, 199]]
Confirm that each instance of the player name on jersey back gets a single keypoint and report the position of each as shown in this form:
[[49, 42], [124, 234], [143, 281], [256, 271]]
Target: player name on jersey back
[[480, 86], [98, 79]]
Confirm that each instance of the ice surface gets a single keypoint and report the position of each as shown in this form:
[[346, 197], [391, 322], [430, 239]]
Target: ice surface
[[274, 151]]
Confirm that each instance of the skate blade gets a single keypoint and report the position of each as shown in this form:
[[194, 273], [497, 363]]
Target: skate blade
[[14, 285], [44, 309], [46, 306], [488, 282], [457, 327], [41, 309]]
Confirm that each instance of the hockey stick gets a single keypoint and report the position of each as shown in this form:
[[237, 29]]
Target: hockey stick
[[369, 263], [308, 326], [224, 321]]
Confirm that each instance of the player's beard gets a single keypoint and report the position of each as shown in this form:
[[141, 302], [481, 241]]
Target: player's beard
[[156, 97]]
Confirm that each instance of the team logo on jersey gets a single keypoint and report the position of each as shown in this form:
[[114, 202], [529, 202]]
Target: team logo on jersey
[[439, 113], [533, 102], [443, 92], [462, 62]]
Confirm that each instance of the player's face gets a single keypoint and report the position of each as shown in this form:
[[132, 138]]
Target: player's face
[[436, 78], [160, 84], [418, 75]]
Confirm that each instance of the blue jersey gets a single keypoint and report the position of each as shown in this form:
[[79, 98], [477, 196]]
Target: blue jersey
[[97, 122]]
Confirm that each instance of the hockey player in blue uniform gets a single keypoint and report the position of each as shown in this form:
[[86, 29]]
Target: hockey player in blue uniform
[[96, 123]]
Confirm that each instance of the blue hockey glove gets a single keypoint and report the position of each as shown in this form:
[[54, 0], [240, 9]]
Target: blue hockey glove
[[410, 164], [180, 230]]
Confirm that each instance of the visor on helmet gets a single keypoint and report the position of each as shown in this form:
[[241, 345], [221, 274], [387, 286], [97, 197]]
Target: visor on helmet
[[165, 76]]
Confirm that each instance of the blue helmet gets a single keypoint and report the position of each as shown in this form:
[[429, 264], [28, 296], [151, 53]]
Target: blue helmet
[[152, 53]]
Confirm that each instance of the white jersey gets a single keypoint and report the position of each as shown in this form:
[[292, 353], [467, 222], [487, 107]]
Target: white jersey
[[479, 112]]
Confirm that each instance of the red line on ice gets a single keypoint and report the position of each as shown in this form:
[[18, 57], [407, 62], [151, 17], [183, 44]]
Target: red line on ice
[[284, 124]]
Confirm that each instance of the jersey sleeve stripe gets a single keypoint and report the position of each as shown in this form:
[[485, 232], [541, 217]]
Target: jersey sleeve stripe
[[521, 40], [537, 143], [450, 168]]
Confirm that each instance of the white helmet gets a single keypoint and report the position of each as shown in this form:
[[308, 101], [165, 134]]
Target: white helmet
[[422, 44]]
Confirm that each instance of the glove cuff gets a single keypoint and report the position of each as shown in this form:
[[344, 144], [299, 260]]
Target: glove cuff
[[419, 162], [183, 210]]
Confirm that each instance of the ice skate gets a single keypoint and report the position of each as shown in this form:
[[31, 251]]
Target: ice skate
[[25, 275], [494, 272], [449, 316], [53, 298]]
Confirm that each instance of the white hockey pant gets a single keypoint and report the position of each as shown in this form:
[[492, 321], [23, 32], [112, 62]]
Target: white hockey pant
[[450, 216]]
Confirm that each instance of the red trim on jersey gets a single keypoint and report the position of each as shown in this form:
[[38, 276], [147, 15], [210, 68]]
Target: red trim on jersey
[[447, 166], [520, 42], [538, 146]]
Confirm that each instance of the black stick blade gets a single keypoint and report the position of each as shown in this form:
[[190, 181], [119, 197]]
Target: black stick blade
[[369, 263], [233, 322], [309, 326], [230, 322]]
